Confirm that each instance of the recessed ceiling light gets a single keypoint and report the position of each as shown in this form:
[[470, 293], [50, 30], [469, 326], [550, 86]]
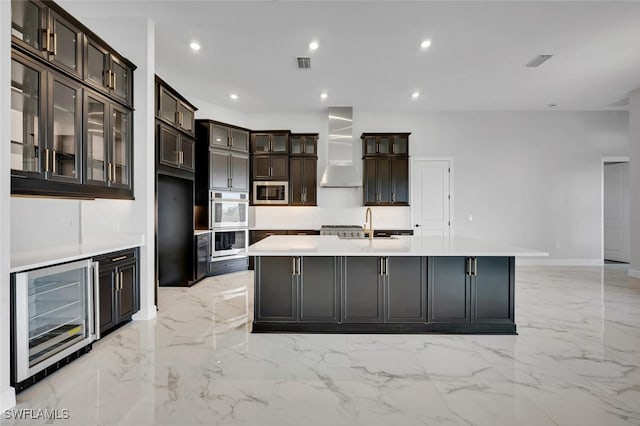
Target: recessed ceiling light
[[553, 105], [425, 44], [324, 95], [415, 95], [233, 96], [195, 45], [313, 45]]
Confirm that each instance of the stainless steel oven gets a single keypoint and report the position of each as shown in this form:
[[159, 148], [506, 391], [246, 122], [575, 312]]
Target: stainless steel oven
[[54, 315], [229, 209], [270, 192], [229, 242]]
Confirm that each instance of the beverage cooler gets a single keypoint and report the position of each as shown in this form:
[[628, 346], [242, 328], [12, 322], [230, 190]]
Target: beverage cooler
[[53, 318]]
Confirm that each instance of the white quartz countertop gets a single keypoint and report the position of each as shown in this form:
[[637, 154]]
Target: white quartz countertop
[[22, 261], [201, 231], [316, 245]]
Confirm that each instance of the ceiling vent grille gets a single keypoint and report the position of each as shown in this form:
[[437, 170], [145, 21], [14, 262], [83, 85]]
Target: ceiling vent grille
[[620, 103], [304, 63], [537, 61]]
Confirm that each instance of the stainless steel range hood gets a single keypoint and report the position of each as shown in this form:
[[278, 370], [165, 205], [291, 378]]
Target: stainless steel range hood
[[341, 171]]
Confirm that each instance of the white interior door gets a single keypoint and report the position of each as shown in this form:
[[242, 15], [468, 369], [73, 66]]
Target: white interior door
[[431, 197], [616, 212]]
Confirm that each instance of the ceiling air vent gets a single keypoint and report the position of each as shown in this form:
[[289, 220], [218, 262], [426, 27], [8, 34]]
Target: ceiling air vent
[[304, 62], [620, 103], [538, 60]]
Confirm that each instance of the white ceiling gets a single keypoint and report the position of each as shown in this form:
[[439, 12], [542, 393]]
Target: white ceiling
[[369, 55]]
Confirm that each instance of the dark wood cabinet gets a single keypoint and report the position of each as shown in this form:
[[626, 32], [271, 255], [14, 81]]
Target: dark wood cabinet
[[175, 149], [384, 289], [471, 290], [107, 142], [52, 153], [173, 109], [297, 289], [303, 144], [302, 181], [385, 172], [234, 138], [385, 144], [118, 287], [107, 72], [270, 167], [229, 171], [270, 142]]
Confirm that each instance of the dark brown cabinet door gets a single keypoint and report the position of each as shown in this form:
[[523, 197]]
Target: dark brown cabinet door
[[239, 140], [400, 181], [107, 306], [370, 145], [65, 44], [370, 181], [296, 185], [261, 167], [276, 289], [128, 291], [406, 288], [310, 145], [384, 180], [187, 153], [279, 167], [310, 179], [319, 289], [28, 26], [362, 298], [493, 290], [239, 172], [297, 144], [121, 84], [97, 65], [168, 145], [219, 170], [449, 290]]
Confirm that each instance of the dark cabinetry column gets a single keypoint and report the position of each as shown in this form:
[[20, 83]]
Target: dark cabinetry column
[[449, 290]]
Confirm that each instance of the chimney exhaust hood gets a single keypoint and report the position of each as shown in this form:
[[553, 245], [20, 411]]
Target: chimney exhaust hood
[[341, 171]]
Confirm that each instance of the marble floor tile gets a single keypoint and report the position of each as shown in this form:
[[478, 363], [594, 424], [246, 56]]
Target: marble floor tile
[[575, 361]]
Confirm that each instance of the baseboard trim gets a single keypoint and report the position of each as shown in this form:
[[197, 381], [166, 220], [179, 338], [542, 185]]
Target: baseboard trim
[[7, 399], [558, 262], [146, 314], [634, 273]]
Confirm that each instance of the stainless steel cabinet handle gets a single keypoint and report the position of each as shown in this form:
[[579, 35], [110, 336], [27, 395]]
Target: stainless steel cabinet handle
[[115, 82], [46, 36], [293, 266], [381, 266], [386, 266], [46, 159], [467, 266], [116, 279], [110, 178]]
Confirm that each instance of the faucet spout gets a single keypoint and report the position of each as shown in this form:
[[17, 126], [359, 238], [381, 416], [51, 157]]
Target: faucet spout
[[368, 218]]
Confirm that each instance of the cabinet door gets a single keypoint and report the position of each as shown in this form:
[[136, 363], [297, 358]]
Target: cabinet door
[[406, 288], [168, 106], [370, 181], [309, 180], [276, 289], [370, 145], [219, 170], [96, 152], [187, 156], [239, 172], [400, 181], [260, 143], [400, 145], [65, 124], [449, 290], [107, 290], [128, 291], [66, 47], [239, 140], [384, 145], [280, 142], [185, 117], [97, 62], [310, 145], [297, 144], [279, 167], [362, 290], [319, 289], [169, 140], [122, 82], [27, 122], [493, 290], [384, 180], [28, 20], [296, 185], [120, 148], [261, 167], [218, 136]]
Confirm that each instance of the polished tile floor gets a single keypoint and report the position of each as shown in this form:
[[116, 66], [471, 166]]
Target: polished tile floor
[[576, 361]]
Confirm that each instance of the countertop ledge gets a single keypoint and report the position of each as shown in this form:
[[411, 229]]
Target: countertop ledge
[[315, 245], [23, 261]]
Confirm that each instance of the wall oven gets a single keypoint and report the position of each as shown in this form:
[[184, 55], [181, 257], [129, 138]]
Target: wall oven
[[270, 192], [228, 209], [229, 242], [53, 315]]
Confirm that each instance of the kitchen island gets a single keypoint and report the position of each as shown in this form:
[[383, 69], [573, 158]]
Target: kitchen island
[[403, 284]]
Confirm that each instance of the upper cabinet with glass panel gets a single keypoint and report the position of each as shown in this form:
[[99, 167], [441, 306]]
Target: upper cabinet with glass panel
[[107, 72], [173, 108]]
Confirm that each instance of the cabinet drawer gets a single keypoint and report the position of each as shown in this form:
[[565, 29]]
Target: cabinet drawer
[[226, 266], [116, 257]]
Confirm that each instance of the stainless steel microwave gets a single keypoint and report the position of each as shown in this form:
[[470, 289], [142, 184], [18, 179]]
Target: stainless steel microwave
[[270, 192]]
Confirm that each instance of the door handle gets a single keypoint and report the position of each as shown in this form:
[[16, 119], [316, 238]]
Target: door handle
[[467, 270], [120, 280], [293, 266], [382, 266], [46, 159], [474, 272], [46, 37], [53, 160], [298, 264], [115, 82], [55, 44]]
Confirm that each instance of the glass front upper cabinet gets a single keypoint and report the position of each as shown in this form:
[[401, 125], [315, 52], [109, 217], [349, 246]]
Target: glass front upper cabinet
[[95, 140], [27, 23], [64, 161], [26, 122], [120, 147]]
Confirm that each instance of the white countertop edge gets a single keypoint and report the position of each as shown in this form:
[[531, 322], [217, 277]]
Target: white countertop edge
[[291, 245], [38, 259], [201, 231]]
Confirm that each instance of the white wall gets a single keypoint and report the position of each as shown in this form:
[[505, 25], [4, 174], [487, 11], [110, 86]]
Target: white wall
[[7, 395], [634, 178], [531, 179]]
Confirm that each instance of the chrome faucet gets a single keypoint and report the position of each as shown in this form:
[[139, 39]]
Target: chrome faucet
[[368, 218]]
